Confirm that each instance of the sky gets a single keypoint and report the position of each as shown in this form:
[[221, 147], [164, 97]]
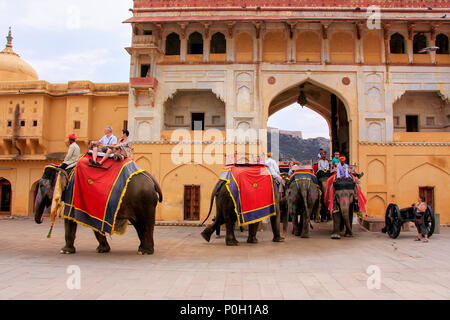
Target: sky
[[66, 40]]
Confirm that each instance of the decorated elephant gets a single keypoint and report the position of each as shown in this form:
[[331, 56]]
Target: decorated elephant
[[303, 202], [138, 206], [226, 214], [345, 198], [323, 177]]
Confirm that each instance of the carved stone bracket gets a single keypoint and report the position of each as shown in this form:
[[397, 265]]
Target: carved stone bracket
[[230, 26], [325, 28], [183, 26], [386, 29], [411, 27]]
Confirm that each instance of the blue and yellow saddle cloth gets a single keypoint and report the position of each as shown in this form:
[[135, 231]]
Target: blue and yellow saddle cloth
[[252, 191], [304, 175]]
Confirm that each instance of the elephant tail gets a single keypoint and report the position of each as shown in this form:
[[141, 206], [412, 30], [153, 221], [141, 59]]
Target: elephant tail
[[157, 187], [213, 196]]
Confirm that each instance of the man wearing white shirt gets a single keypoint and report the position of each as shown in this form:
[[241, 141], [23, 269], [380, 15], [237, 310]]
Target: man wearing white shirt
[[102, 145], [323, 163], [272, 165]]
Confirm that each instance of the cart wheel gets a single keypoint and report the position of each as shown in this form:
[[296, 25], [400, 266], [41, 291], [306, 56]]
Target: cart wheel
[[392, 221], [429, 221]]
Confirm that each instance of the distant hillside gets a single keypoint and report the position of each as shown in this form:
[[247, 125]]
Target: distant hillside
[[291, 146]]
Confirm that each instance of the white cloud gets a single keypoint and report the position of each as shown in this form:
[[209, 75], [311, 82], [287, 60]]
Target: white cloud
[[296, 118], [80, 66]]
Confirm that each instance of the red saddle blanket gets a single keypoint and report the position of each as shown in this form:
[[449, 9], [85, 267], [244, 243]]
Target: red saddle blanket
[[329, 195], [252, 191], [94, 195]]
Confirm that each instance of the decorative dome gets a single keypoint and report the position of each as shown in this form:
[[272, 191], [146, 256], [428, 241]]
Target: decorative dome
[[12, 68]]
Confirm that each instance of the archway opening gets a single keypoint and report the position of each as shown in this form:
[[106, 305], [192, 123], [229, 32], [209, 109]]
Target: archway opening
[[322, 102], [5, 196]]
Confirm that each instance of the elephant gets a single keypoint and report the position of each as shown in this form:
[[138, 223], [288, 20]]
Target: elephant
[[284, 217], [303, 201], [138, 206], [345, 200], [323, 177], [225, 214]]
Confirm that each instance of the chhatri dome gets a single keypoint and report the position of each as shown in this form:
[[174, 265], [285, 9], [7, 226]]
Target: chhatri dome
[[12, 68]]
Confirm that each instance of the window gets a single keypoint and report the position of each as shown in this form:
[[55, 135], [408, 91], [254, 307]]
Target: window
[[35, 123], [198, 121], [125, 125], [9, 123], [192, 202], [218, 43], [22, 123], [179, 120], [397, 43], [145, 70], [173, 45], [76, 125], [195, 44], [148, 32], [412, 123], [430, 121], [420, 42], [442, 43]]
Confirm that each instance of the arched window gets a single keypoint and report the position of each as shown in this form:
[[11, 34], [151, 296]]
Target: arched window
[[195, 43], [218, 43], [173, 45], [397, 43], [420, 42], [442, 43]]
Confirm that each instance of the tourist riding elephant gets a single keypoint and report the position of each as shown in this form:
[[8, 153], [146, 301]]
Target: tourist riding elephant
[[138, 206], [345, 200], [225, 214], [303, 201], [323, 177]]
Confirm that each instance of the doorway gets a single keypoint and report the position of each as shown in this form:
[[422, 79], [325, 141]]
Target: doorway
[[5, 197], [192, 203], [428, 192]]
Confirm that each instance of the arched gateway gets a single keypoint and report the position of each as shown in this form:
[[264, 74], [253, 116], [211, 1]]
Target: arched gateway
[[274, 55]]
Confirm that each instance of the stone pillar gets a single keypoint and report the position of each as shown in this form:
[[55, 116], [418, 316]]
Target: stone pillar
[[206, 48], [183, 49], [230, 49]]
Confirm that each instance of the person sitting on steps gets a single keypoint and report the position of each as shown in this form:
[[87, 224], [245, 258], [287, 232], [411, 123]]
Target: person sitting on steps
[[103, 145]]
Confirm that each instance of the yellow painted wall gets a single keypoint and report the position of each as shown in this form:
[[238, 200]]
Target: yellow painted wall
[[395, 173], [308, 47], [275, 47], [342, 47], [243, 45], [372, 48]]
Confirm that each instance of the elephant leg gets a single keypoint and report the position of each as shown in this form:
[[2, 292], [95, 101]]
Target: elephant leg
[[285, 222], [70, 229], [348, 225], [275, 222], [103, 246], [336, 225], [230, 239], [144, 229], [296, 224], [206, 234], [305, 224], [147, 243], [252, 230]]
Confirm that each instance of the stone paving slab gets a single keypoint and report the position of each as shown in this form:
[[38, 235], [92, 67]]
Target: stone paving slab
[[184, 266]]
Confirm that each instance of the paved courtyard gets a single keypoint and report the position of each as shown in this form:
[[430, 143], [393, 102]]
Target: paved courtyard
[[184, 266]]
